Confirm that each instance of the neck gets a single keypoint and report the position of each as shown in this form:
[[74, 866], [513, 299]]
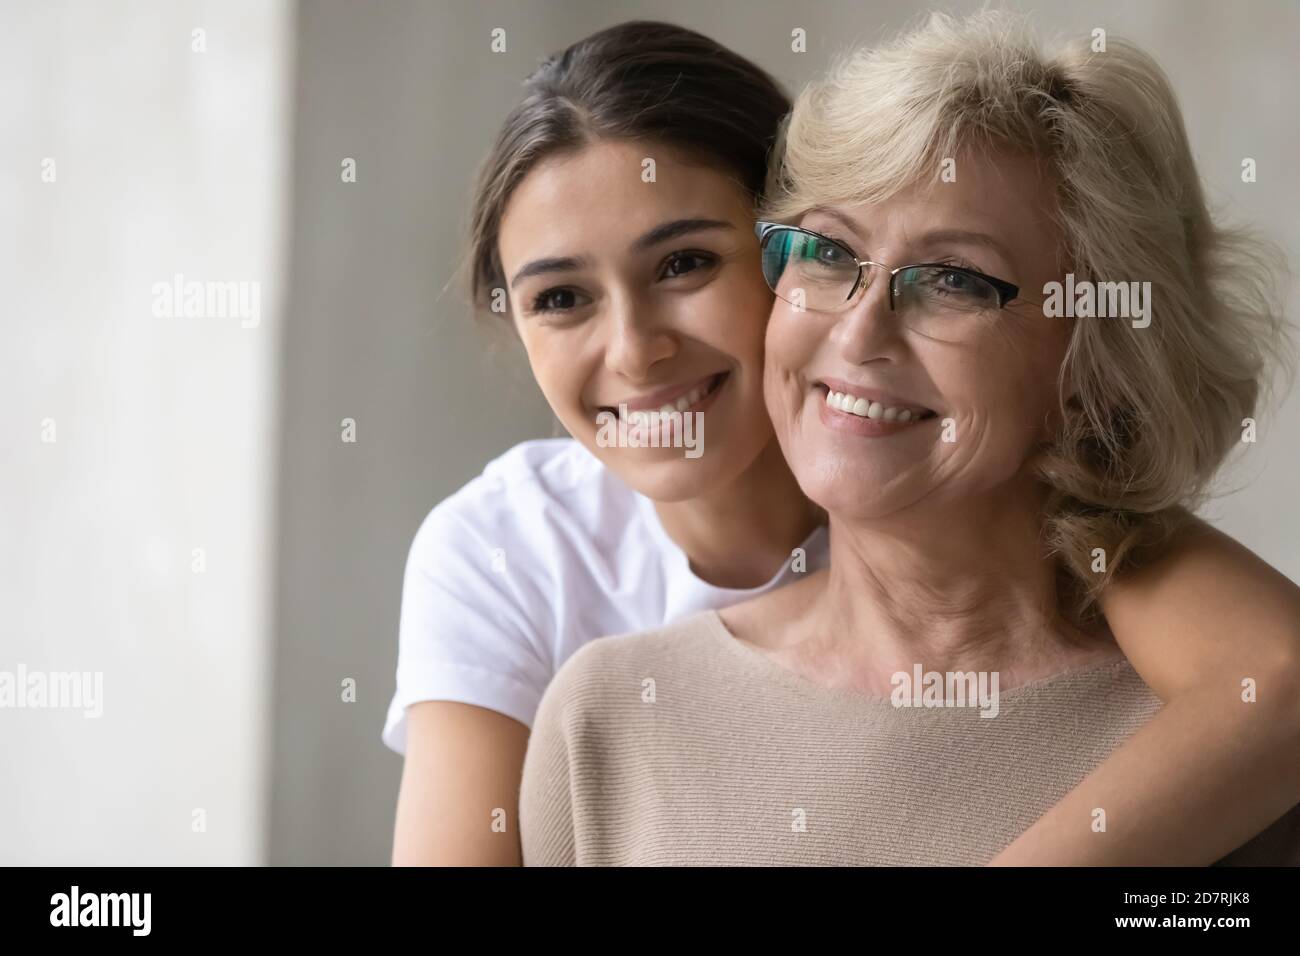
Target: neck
[[968, 586], [739, 535]]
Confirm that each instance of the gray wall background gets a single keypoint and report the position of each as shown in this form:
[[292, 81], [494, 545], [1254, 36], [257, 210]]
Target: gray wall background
[[413, 92]]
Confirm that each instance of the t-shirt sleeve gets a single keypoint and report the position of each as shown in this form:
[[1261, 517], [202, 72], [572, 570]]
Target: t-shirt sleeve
[[473, 622], [546, 829]]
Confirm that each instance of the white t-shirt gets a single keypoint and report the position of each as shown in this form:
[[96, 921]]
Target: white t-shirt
[[543, 552]]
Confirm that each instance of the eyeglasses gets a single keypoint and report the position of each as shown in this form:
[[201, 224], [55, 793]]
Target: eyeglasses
[[819, 274]]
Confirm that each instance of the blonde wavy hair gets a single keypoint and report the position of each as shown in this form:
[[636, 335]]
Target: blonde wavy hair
[[1154, 411]]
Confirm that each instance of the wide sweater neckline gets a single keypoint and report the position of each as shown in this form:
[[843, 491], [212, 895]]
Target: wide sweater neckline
[[754, 662]]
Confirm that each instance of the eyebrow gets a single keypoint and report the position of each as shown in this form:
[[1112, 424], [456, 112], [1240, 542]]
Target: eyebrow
[[661, 233], [838, 216], [934, 237], [543, 266], [965, 237]]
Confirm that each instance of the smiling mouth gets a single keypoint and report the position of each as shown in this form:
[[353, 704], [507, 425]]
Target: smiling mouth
[[682, 403], [861, 407]]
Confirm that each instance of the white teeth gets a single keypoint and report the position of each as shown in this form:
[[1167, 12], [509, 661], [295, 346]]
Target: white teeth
[[689, 399], [641, 417], [844, 402]]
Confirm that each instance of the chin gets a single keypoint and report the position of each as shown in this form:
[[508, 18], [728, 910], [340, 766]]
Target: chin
[[669, 476], [850, 489]]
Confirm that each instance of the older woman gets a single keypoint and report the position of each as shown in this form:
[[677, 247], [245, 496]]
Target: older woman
[[984, 462]]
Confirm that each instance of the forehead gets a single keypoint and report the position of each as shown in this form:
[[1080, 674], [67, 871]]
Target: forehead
[[1007, 196], [610, 191]]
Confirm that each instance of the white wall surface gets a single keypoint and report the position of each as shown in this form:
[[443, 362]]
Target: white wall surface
[[167, 161]]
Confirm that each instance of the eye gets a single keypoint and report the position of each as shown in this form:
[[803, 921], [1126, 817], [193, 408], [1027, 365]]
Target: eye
[[830, 254], [950, 280], [557, 300], [952, 288], [955, 281], [827, 252], [683, 263]]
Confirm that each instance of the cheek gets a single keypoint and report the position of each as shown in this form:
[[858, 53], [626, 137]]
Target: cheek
[[1027, 390], [999, 401], [785, 354], [792, 338], [558, 369], [737, 313]]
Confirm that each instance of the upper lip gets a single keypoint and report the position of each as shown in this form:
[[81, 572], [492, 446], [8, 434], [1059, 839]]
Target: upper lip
[[888, 399], [662, 397]]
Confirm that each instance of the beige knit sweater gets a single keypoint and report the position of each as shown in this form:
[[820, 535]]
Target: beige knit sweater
[[686, 746]]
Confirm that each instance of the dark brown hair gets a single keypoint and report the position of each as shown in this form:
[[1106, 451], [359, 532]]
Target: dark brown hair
[[637, 80]]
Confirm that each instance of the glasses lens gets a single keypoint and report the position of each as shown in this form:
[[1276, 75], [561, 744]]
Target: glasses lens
[[929, 290], [808, 271]]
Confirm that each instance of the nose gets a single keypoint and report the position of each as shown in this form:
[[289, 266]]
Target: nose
[[868, 329], [638, 339]]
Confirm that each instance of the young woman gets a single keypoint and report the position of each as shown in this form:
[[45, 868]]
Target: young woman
[[614, 216]]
